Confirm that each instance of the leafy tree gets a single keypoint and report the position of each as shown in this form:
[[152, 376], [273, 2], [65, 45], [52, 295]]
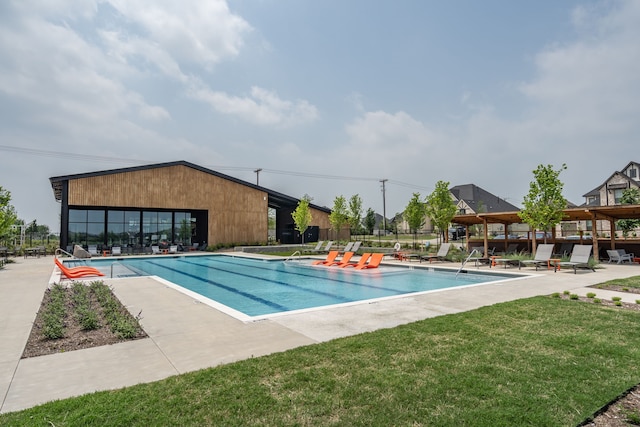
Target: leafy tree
[[339, 216], [8, 214], [414, 214], [370, 221], [544, 205], [302, 215], [441, 208], [355, 214], [630, 196]]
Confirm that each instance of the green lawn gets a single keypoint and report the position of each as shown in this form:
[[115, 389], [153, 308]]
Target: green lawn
[[538, 362]]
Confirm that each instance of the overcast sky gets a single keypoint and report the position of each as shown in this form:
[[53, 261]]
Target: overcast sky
[[326, 97]]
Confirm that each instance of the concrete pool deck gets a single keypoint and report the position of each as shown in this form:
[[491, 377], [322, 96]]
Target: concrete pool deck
[[186, 335]]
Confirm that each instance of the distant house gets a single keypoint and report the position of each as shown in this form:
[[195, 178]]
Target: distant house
[[609, 193], [470, 199]]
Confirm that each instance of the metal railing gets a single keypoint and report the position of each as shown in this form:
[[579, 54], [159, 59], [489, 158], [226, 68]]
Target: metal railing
[[464, 262]]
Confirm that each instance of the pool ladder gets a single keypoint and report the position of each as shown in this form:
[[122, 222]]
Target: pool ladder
[[290, 257], [465, 261]]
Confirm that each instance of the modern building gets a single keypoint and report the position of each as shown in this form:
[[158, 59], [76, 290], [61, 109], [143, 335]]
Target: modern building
[[176, 202]]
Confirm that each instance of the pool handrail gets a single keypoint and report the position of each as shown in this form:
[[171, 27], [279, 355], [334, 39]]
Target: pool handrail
[[466, 260], [290, 257], [59, 251]]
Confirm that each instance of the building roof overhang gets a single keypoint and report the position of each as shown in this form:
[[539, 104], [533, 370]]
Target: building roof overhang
[[276, 199], [574, 214]]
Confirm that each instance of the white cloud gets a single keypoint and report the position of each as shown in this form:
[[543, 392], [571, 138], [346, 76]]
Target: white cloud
[[200, 32], [262, 107]]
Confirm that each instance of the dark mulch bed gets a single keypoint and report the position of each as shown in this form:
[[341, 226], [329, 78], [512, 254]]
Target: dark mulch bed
[[75, 337]]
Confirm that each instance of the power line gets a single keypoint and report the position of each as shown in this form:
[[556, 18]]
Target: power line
[[119, 160]]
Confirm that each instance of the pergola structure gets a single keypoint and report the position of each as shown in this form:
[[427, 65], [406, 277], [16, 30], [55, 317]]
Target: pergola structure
[[587, 213]]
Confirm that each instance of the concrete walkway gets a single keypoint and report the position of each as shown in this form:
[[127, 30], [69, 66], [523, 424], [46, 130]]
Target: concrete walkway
[[185, 335]]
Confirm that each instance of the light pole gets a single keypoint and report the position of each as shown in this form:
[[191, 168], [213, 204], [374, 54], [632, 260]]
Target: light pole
[[384, 207], [257, 172]]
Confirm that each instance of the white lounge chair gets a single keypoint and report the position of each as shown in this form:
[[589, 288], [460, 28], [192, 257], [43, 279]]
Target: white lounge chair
[[542, 256], [155, 250], [316, 249], [440, 255], [173, 249], [356, 246], [619, 256], [579, 259], [93, 250], [116, 250]]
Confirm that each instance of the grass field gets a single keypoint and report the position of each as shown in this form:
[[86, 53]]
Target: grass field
[[538, 362]]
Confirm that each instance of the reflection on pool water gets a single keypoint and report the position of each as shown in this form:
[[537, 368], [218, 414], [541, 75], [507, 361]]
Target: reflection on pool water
[[256, 287]]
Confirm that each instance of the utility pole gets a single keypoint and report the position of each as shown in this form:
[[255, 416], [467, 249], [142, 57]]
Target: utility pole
[[384, 207], [257, 172]]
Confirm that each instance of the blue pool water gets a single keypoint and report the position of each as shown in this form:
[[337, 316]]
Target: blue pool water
[[261, 287]]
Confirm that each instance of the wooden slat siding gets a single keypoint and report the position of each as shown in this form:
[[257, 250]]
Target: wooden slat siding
[[237, 213], [321, 219]]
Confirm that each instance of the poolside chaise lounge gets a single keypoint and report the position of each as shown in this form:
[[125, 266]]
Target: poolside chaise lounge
[[116, 250], [374, 261], [440, 255], [363, 260], [619, 256], [356, 246], [155, 250], [77, 272], [347, 247], [331, 257], [173, 249], [316, 249], [344, 260], [579, 259], [542, 256], [93, 250]]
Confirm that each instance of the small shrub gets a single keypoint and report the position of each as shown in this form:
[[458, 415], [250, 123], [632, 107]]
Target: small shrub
[[597, 300], [574, 296], [625, 289], [555, 295], [618, 303], [638, 301], [591, 295], [616, 298], [566, 292]]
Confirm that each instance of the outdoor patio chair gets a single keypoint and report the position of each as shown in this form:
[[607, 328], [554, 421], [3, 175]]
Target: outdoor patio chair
[[93, 250], [155, 250], [440, 255], [116, 250], [363, 260], [344, 260], [542, 256], [619, 256], [579, 259], [173, 249], [331, 257], [316, 249], [374, 261]]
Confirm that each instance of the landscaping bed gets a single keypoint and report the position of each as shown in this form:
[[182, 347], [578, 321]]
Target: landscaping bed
[[80, 316]]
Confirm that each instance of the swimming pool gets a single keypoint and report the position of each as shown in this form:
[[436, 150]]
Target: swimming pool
[[254, 288]]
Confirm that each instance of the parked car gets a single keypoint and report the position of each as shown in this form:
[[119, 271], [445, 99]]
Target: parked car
[[539, 235], [456, 233], [510, 236]]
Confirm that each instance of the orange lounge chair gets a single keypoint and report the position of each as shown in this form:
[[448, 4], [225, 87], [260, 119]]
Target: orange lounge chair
[[374, 262], [362, 261], [344, 260], [77, 272], [331, 257]]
